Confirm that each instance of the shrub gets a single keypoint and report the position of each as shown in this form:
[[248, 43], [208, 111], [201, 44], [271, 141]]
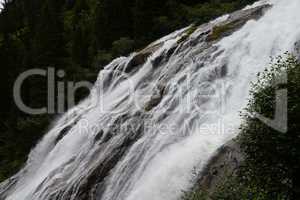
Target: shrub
[[272, 157]]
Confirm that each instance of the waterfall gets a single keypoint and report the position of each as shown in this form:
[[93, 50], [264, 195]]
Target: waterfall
[[156, 117]]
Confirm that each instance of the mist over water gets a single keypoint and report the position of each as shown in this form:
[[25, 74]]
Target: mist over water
[[145, 130]]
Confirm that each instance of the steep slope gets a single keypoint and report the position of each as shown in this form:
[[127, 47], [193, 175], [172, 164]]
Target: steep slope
[[158, 115]]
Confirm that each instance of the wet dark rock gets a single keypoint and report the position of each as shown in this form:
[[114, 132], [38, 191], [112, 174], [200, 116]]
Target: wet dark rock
[[188, 33], [164, 57], [64, 132], [99, 135], [87, 190], [200, 38], [223, 71], [141, 57], [171, 51], [155, 99], [108, 135], [226, 161], [94, 186], [158, 60], [199, 65]]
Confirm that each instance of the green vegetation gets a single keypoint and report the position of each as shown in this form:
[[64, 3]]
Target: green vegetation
[[271, 157], [79, 37]]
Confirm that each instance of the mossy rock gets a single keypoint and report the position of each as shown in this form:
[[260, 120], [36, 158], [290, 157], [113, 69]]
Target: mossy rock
[[235, 21], [141, 57], [187, 33], [219, 32]]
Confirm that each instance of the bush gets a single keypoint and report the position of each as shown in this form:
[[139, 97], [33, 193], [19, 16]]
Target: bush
[[272, 157]]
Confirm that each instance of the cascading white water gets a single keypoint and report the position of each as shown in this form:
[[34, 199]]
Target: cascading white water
[[142, 134]]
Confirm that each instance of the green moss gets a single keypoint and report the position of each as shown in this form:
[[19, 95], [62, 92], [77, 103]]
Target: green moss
[[219, 31], [188, 33]]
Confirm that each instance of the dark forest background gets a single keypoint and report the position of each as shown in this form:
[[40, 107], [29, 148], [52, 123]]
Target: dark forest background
[[79, 37]]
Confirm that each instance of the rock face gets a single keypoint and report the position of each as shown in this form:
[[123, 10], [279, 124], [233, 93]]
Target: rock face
[[235, 21], [225, 162]]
